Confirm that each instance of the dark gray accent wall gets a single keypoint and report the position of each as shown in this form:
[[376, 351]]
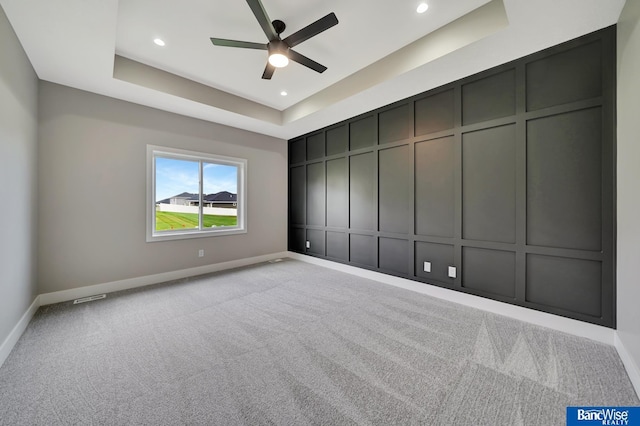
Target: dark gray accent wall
[[506, 176], [435, 187], [489, 184]]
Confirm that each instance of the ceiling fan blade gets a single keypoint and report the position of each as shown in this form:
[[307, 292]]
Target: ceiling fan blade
[[303, 60], [237, 43], [263, 19], [268, 71], [311, 30]]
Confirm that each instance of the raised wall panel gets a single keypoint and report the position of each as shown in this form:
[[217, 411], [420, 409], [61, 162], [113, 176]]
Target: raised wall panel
[[362, 250], [507, 175], [337, 193], [361, 193], [337, 140], [565, 77], [315, 238], [434, 187], [362, 133], [395, 124], [315, 194], [315, 146], [489, 98], [297, 237], [571, 284], [338, 245], [489, 184], [297, 151], [297, 195], [393, 255], [564, 180], [434, 113], [440, 256], [490, 271], [394, 190]]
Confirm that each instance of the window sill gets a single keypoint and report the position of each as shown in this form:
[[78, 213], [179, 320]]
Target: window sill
[[185, 235]]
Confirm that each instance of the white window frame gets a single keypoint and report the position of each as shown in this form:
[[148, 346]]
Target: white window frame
[[154, 151]]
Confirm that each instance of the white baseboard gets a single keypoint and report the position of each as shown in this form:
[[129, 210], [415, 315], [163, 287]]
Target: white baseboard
[[629, 364], [7, 346], [554, 322], [129, 283]]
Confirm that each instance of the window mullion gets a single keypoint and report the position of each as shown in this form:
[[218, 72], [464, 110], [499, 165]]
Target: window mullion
[[201, 203]]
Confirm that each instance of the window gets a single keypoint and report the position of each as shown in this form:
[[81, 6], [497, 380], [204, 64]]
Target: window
[[192, 194]]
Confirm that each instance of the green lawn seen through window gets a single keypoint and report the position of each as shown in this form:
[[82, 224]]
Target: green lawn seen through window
[[166, 221]]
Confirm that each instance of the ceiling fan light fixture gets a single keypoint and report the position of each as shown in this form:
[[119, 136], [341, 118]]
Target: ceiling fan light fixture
[[278, 60], [278, 54]]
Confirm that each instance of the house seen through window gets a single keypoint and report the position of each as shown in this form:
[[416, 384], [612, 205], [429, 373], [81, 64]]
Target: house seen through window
[[195, 194]]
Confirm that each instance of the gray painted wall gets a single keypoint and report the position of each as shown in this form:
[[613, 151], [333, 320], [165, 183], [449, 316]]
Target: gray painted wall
[[92, 189], [18, 165], [629, 179]]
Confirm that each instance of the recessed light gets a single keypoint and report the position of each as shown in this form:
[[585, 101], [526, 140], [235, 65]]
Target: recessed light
[[283, 93], [159, 42], [422, 8]]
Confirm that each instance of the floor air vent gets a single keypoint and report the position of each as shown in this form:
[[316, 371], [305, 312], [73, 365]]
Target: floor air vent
[[89, 298], [275, 260]]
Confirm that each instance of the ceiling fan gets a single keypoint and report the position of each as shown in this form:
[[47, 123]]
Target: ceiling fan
[[280, 50]]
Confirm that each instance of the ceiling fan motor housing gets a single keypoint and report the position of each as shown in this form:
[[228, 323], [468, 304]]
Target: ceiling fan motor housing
[[278, 46]]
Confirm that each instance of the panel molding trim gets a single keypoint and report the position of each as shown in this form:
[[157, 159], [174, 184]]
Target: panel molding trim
[[512, 168]]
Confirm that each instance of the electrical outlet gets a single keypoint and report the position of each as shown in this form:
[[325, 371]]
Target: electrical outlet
[[452, 271], [308, 244], [201, 253], [427, 266]]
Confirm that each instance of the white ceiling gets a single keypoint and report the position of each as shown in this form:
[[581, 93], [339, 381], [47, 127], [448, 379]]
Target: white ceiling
[[74, 42], [357, 41]]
